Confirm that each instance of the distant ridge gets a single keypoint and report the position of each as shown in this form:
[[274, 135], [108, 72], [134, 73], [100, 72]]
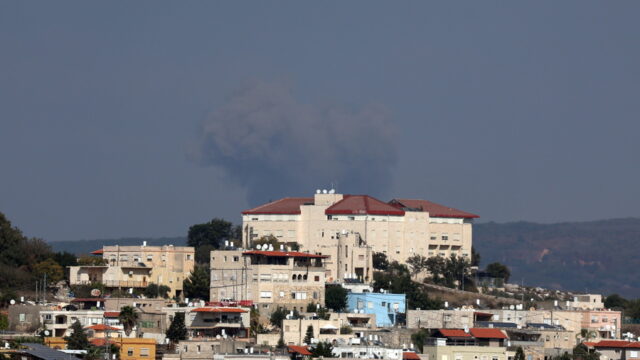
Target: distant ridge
[[80, 247]]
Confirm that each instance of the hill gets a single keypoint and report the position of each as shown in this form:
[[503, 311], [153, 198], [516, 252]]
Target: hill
[[80, 247], [594, 256]]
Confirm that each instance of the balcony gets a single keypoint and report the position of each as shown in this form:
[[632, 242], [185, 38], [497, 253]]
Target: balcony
[[125, 283]]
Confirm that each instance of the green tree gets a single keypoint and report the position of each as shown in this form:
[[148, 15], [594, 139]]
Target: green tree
[[177, 330], [155, 290], [51, 268], [436, 266], [498, 270], [380, 261], [335, 297], [278, 316], [475, 257], [94, 353], [581, 352], [78, 339], [323, 349], [397, 280], [417, 263], [615, 301], [309, 335], [418, 339], [128, 318], [346, 329], [91, 260], [4, 322], [196, 286], [65, 259], [519, 354], [203, 254], [214, 233]]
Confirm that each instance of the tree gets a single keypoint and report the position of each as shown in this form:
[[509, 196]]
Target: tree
[[155, 290], [196, 286], [615, 301], [91, 260], [128, 318], [50, 268], [436, 266], [380, 261], [397, 280], [214, 233], [322, 349], [417, 263], [335, 297], [475, 257], [177, 330], [278, 316], [4, 322], [418, 338], [78, 339], [346, 329], [309, 335], [519, 354], [65, 259], [581, 352], [498, 270], [203, 254]]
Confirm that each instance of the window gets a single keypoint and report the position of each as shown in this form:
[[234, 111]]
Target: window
[[188, 256], [130, 351], [149, 257], [316, 278], [145, 351], [265, 294], [370, 304], [445, 237], [47, 317], [23, 317]]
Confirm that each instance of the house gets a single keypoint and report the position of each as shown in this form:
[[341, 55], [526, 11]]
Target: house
[[443, 318], [211, 322], [386, 307], [269, 278], [616, 349], [471, 344], [137, 267], [399, 228]]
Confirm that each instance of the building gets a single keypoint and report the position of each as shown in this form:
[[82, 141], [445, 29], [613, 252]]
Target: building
[[441, 319], [210, 322], [386, 307], [271, 279], [400, 228], [474, 344], [130, 348], [616, 349], [349, 259], [58, 321], [138, 267], [24, 317]]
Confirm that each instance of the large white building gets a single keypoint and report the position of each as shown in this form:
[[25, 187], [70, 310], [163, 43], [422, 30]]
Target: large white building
[[399, 228]]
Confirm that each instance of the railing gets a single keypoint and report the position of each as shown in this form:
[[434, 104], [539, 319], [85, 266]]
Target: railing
[[118, 283]]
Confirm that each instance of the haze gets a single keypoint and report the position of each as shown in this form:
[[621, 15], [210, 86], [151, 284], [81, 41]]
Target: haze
[[142, 118]]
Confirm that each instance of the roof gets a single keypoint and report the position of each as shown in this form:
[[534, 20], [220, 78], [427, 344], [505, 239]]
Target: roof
[[487, 333], [615, 344], [453, 333], [289, 205], [410, 355], [97, 252], [101, 341], [44, 352], [102, 327], [219, 310], [283, 254], [361, 205], [87, 299], [302, 350], [111, 314], [434, 210]]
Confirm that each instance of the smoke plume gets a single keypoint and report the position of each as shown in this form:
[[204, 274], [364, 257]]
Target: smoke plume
[[275, 146]]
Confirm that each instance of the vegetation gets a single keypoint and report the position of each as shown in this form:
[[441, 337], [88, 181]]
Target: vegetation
[[417, 263], [177, 330], [128, 318], [91, 260], [581, 352], [380, 261], [254, 320], [214, 233], [155, 290], [418, 338], [397, 280], [323, 312], [452, 272], [309, 335], [345, 330], [323, 349], [519, 354], [498, 270], [278, 316], [4, 322], [335, 297], [630, 307], [78, 339], [196, 286]]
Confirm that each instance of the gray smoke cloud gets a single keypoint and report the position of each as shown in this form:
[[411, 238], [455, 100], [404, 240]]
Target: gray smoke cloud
[[274, 146]]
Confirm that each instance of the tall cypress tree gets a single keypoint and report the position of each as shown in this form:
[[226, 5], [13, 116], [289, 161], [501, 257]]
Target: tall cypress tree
[[309, 335], [177, 330], [78, 340]]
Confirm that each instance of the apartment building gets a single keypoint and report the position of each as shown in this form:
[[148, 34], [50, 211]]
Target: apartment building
[[270, 279], [399, 228], [138, 267]]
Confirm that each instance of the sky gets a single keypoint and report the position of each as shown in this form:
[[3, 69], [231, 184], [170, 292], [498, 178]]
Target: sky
[[127, 119]]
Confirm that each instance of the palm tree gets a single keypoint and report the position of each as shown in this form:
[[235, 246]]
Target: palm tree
[[128, 318]]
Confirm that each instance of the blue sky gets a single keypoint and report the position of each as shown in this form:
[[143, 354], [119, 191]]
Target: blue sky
[[120, 118]]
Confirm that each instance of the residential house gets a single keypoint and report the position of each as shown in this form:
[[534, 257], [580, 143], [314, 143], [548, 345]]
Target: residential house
[[385, 306]]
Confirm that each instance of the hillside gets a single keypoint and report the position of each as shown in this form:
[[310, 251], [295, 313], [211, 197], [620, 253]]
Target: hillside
[[596, 256], [86, 246]]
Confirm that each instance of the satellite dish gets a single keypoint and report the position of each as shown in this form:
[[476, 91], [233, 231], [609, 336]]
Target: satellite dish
[[12, 302], [318, 191], [46, 333], [258, 246], [218, 336]]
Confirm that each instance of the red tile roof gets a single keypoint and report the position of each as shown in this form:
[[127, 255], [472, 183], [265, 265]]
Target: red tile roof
[[102, 327], [410, 355], [282, 206], [434, 210], [614, 344], [302, 350], [219, 310], [101, 342], [487, 333], [453, 333], [111, 314], [361, 205], [97, 252], [283, 254], [87, 299]]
